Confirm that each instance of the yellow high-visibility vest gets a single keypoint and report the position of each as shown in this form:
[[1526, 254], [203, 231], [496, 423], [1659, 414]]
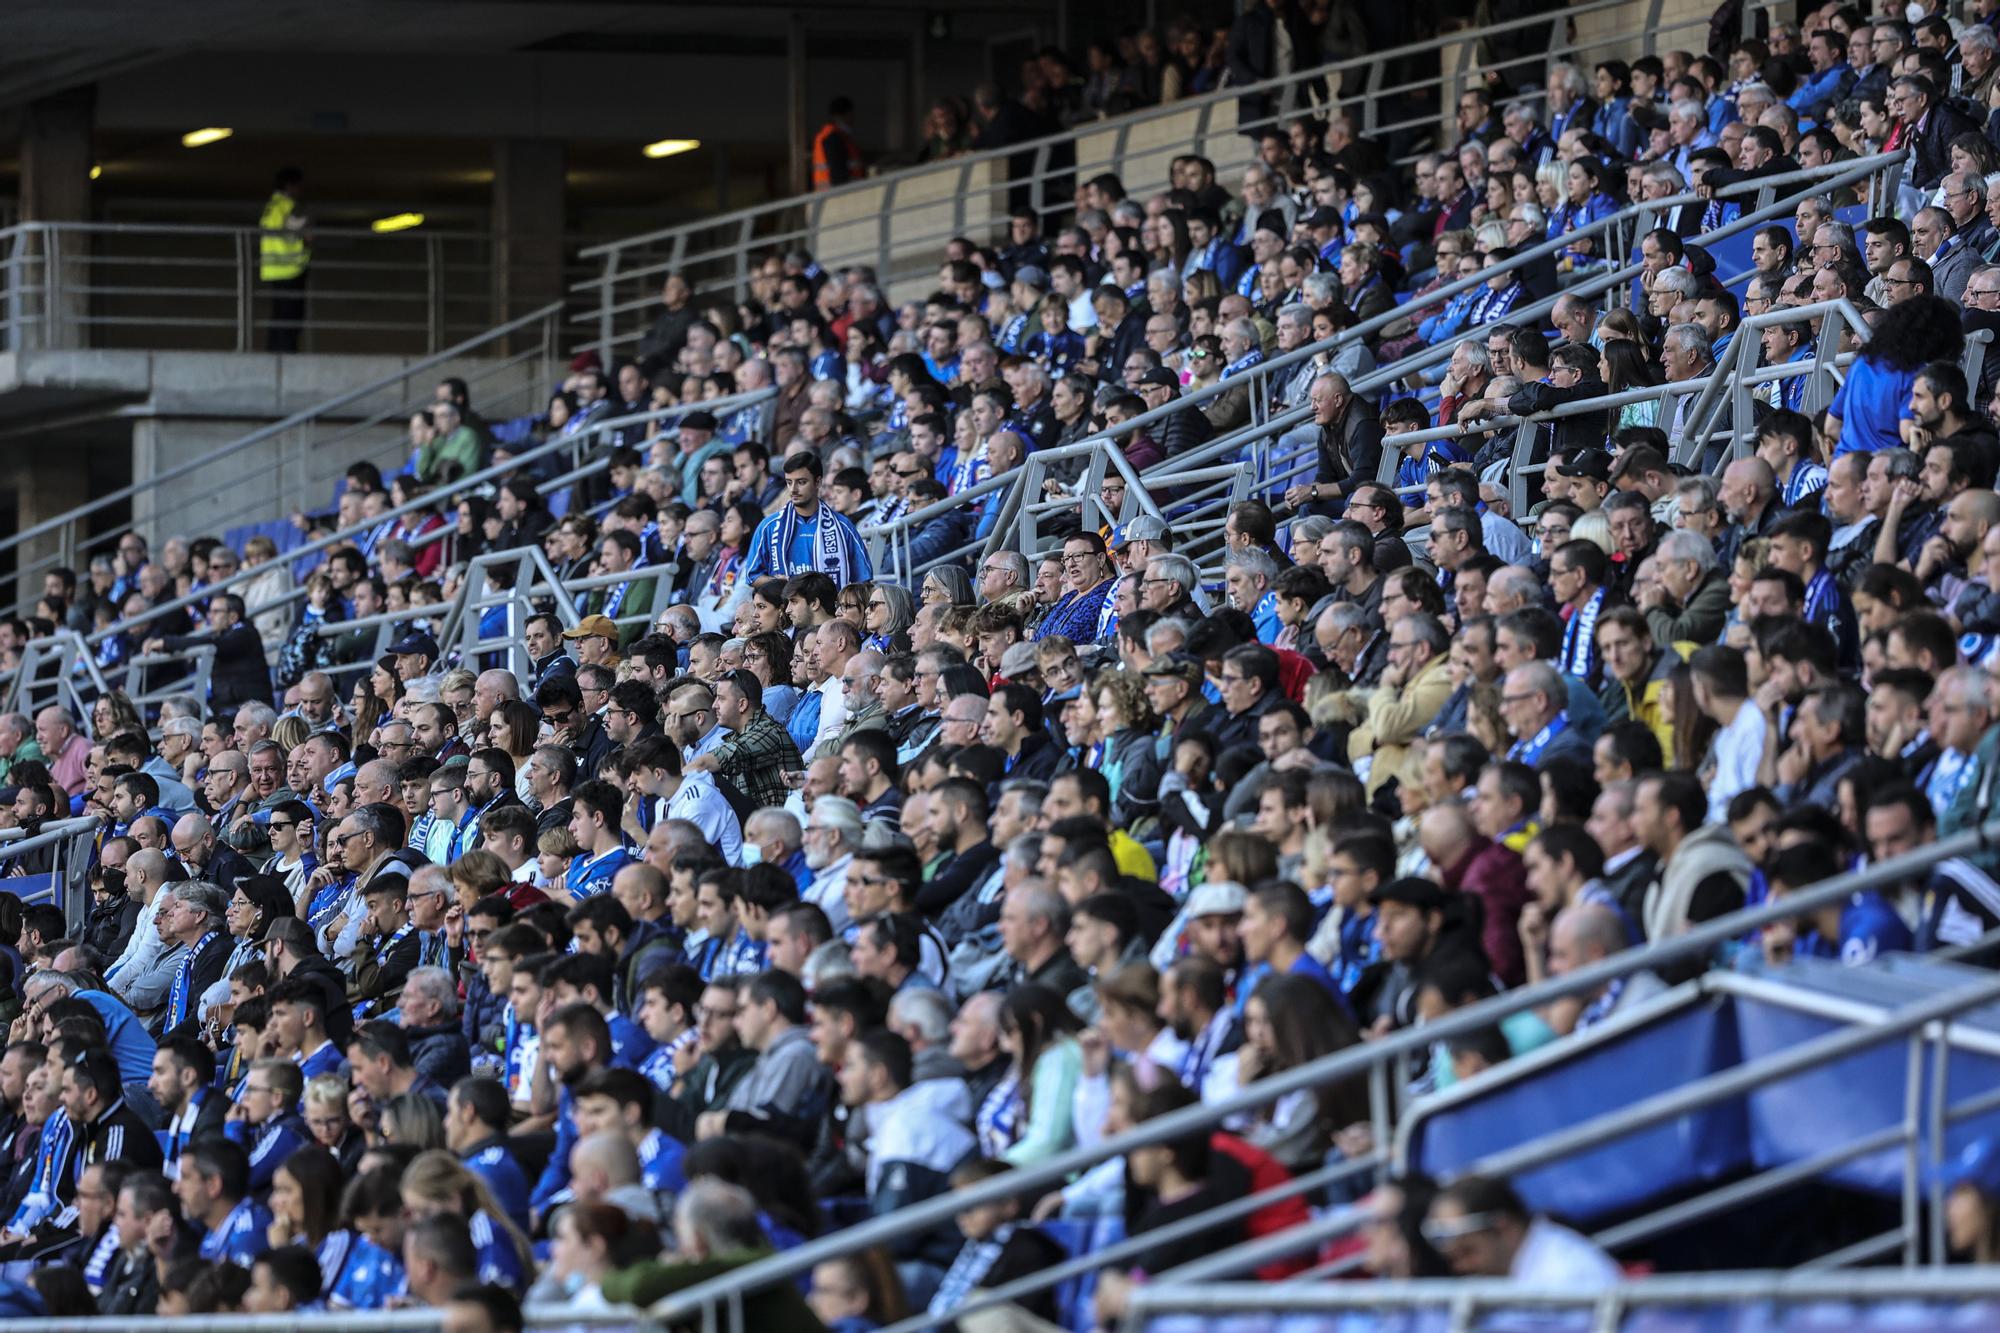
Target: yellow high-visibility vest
[[283, 253]]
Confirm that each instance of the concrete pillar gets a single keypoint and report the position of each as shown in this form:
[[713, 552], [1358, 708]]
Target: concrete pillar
[[56, 156], [44, 484], [796, 116], [529, 208]]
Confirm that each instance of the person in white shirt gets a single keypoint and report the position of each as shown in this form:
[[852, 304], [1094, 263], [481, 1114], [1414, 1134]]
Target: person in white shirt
[[656, 768], [145, 876], [1483, 1229], [1722, 691], [832, 644]]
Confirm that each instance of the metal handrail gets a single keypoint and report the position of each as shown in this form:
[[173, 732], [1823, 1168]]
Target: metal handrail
[[799, 217], [1382, 378], [258, 436], [1353, 1062]]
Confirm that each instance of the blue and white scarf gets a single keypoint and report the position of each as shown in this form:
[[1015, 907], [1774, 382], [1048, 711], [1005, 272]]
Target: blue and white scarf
[[837, 549], [1530, 751], [1493, 305], [616, 601], [1600, 1008], [1579, 650], [998, 1120], [1822, 598], [1807, 479], [179, 997], [1253, 357]]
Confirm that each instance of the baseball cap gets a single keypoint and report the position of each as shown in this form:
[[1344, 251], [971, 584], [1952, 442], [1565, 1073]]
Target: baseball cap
[[1592, 463], [698, 420], [1161, 377], [597, 626], [415, 642], [1144, 528], [1272, 220], [991, 280], [1977, 1164], [1185, 665], [1219, 899], [1418, 893], [1323, 216], [1017, 661], [1030, 276]]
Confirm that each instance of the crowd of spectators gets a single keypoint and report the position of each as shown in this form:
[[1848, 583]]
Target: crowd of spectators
[[776, 894]]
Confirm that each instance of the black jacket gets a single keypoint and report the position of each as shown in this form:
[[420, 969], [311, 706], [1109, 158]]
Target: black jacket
[[440, 1052], [238, 674], [1930, 145], [109, 924], [208, 966]]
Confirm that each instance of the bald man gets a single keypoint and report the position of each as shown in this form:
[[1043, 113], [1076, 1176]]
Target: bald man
[[1584, 934], [1749, 499], [1466, 861], [205, 856], [136, 975]]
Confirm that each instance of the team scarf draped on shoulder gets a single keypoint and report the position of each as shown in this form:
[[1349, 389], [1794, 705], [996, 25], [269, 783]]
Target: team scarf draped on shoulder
[[837, 549]]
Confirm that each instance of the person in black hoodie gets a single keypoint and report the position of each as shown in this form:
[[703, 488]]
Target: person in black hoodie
[[999, 1248], [290, 953], [239, 673], [113, 911]]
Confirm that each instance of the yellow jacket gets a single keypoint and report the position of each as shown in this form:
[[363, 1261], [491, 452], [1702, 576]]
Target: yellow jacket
[[282, 253], [1395, 718]]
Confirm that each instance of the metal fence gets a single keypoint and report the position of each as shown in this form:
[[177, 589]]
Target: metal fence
[[120, 286], [1856, 1301], [1384, 1064], [509, 370]]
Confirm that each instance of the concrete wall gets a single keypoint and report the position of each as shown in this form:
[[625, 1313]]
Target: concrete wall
[[185, 405]]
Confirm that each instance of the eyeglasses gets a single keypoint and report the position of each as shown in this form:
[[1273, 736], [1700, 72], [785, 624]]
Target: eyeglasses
[[344, 838], [1443, 1233], [279, 827]]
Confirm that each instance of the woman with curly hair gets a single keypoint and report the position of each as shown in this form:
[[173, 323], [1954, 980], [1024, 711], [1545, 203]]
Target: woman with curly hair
[[114, 714], [1126, 723], [1867, 413], [767, 655]]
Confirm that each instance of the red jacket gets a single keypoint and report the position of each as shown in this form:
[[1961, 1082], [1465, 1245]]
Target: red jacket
[[1267, 1173], [1497, 878]]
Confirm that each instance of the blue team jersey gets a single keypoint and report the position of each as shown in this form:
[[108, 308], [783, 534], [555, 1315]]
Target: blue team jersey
[[505, 1179], [499, 1262], [589, 876], [371, 1278], [241, 1237], [660, 1157], [629, 1043]]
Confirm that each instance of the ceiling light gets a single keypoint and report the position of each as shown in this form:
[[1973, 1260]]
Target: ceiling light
[[96, 171], [670, 147], [203, 137], [397, 222]]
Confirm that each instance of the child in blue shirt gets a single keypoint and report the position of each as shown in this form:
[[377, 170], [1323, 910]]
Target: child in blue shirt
[[1056, 348]]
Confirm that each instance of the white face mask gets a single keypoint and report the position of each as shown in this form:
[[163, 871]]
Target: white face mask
[[752, 854], [1914, 12]]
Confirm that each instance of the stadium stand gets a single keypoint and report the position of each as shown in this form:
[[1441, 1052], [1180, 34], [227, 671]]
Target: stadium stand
[[1431, 717]]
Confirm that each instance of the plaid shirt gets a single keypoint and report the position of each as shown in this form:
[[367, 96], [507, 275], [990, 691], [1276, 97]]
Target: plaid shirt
[[756, 758]]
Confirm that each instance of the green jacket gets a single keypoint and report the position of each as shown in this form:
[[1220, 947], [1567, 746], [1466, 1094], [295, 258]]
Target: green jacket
[[775, 1309], [460, 447]]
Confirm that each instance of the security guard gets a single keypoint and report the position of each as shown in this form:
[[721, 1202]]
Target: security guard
[[836, 157], [284, 257]]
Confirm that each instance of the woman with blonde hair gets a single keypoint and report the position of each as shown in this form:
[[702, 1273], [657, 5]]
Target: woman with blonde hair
[[412, 1119], [268, 588], [1595, 528], [290, 732], [437, 1183], [477, 874], [369, 710]]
